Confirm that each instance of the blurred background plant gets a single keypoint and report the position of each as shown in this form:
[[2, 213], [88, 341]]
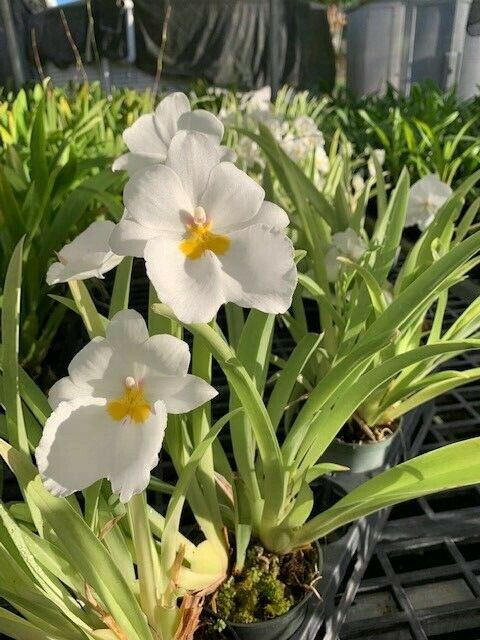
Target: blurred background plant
[[55, 156]]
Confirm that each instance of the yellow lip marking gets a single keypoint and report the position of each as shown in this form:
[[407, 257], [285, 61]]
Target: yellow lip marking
[[200, 238], [131, 405]]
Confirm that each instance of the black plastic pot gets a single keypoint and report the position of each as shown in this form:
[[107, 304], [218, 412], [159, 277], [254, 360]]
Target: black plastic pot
[[360, 458], [282, 628]]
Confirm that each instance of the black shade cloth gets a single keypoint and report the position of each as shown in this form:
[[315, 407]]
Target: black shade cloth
[[222, 41], [51, 38], [225, 42], [53, 43], [20, 17], [473, 24], [316, 53], [109, 29], [34, 6]]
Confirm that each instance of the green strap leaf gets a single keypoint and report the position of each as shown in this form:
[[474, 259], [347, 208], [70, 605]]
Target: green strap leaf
[[87, 310], [374, 289], [10, 332], [252, 403], [38, 154], [121, 287], [288, 376], [18, 628], [452, 466]]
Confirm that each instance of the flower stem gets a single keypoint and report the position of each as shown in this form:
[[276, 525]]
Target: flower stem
[[87, 310], [148, 565]]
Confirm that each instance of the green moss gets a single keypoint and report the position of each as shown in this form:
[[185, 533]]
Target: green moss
[[257, 594]]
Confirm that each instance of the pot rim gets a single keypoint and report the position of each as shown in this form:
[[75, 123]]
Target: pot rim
[[360, 445]]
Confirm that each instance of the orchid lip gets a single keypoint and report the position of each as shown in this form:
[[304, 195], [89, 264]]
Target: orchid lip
[[132, 404]]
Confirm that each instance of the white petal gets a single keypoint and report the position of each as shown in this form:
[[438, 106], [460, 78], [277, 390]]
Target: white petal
[[417, 215], [430, 185], [271, 215], [110, 261], [65, 390], [89, 255], [192, 156], [203, 122], [127, 329], [93, 240], [135, 453], [93, 265], [332, 266], [231, 198], [426, 196], [76, 447], [91, 362], [156, 199], [349, 244], [166, 355], [129, 238], [192, 288], [259, 270], [181, 393], [99, 368], [143, 138], [168, 113], [132, 162], [55, 273]]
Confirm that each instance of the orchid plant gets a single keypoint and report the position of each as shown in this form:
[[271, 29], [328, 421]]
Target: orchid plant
[[110, 567], [351, 273]]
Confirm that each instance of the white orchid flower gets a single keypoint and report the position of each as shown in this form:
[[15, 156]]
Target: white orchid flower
[[248, 153], [297, 149], [206, 233], [110, 413], [305, 127], [257, 100], [345, 244], [150, 136], [276, 124], [88, 256], [426, 197]]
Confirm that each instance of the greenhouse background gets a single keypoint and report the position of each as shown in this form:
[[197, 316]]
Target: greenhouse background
[[338, 111]]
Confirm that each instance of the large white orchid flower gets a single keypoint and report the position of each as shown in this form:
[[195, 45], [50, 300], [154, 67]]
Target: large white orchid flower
[[207, 235], [150, 136], [88, 256], [110, 413], [426, 197]]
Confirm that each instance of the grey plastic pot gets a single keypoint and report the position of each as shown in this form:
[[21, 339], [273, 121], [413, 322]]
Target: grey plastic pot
[[360, 458], [282, 628]]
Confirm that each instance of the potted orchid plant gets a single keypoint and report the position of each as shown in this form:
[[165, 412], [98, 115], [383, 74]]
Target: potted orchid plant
[[351, 273], [105, 564]]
